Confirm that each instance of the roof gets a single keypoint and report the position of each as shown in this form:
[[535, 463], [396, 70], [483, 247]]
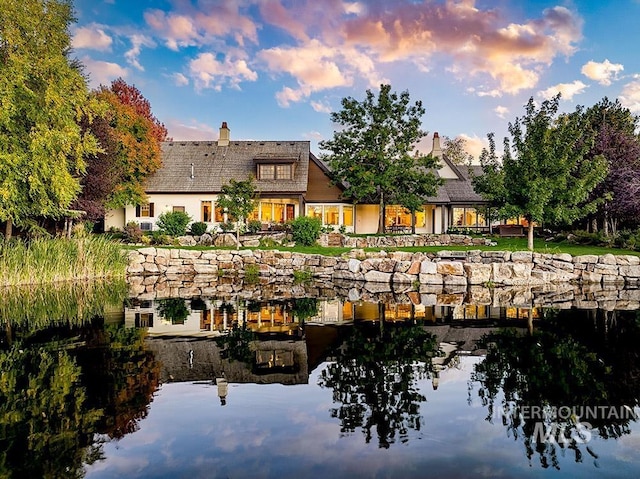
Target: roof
[[460, 190], [214, 166]]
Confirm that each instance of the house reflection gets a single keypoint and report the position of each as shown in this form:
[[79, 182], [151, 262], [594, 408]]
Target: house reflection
[[283, 340]]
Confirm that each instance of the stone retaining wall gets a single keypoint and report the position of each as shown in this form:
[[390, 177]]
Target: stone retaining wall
[[448, 268]]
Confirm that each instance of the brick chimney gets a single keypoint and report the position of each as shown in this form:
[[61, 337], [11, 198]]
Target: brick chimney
[[436, 150], [223, 140]]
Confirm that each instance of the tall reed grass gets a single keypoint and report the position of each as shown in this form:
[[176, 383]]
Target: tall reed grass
[[41, 261], [30, 308]]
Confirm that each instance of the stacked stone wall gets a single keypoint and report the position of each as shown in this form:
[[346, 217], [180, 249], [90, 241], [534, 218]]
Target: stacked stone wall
[[446, 268]]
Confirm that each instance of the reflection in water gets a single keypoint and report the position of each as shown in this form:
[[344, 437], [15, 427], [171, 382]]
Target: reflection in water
[[63, 382], [576, 375], [72, 386], [374, 379]]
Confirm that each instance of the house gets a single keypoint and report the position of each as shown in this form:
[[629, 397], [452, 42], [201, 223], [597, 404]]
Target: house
[[291, 182]]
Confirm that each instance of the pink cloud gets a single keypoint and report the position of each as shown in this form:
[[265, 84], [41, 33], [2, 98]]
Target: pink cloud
[[92, 37], [102, 73]]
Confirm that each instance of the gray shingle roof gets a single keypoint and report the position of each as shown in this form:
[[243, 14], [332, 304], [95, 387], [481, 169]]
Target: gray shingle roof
[[458, 191], [214, 166]]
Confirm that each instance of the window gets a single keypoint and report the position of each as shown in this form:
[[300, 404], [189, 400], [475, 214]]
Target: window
[[468, 217], [219, 215], [397, 215], [144, 211], [331, 215], [283, 172], [347, 215], [275, 172], [206, 211], [266, 172], [266, 213], [179, 209]]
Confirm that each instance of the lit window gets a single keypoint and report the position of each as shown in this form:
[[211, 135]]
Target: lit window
[[266, 211], [144, 211], [331, 215], [347, 215], [219, 215], [206, 211]]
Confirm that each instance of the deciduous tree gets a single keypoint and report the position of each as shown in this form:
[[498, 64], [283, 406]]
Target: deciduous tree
[[545, 174], [42, 97], [238, 200], [373, 153], [129, 136], [617, 141]]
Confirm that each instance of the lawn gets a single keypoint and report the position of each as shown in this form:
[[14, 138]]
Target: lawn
[[503, 244]]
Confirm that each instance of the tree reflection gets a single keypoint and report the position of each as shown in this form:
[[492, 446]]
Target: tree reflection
[[556, 387], [63, 384], [374, 379]]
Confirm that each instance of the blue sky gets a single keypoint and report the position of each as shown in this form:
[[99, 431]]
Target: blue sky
[[274, 69]]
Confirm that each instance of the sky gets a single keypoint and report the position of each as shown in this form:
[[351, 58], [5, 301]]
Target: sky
[[276, 69]]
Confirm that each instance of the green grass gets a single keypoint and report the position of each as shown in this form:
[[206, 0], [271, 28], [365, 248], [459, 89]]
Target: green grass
[[51, 260], [503, 244]]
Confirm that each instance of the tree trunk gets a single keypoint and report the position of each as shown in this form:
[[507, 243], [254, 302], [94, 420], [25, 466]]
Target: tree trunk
[[594, 224], [381, 218], [530, 321], [8, 230], [605, 224], [530, 236]]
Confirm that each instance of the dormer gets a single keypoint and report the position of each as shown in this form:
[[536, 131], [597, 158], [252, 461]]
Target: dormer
[[275, 167]]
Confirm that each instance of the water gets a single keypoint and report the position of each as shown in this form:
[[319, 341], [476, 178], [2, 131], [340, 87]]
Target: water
[[101, 383]]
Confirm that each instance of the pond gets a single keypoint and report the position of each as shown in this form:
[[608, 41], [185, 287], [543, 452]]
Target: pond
[[284, 380]]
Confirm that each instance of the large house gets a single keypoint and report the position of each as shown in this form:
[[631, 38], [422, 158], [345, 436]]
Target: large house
[[291, 182]]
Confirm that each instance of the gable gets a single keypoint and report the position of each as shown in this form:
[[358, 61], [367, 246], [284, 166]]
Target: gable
[[319, 187]]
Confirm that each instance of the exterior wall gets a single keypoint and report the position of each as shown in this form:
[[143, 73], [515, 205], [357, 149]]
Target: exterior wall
[[319, 187], [367, 219], [114, 219], [192, 205]]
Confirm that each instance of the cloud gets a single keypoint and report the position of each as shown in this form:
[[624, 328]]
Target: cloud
[[92, 37], [273, 12], [321, 107], [313, 135], [102, 73], [604, 73], [474, 144], [567, 90], [630, 96], [179, 79], [192, 130], [207, 72], [137, 42], [501, 111], [190, 26], [480, 42], [317, 66]]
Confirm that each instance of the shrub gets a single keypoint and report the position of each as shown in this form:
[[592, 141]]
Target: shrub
[[132, 232], [161, 238], [226, 227], [306, 230], [198, 228], [173, 223], [254, 226]]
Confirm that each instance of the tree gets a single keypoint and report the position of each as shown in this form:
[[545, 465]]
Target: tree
[[130, 138], [455, 150], [616, 140], [238, 200], [375, 379], [545, 174], [373, 153], [43, 94]]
